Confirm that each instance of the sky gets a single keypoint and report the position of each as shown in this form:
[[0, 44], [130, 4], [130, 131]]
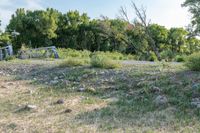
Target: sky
[[168, 13]]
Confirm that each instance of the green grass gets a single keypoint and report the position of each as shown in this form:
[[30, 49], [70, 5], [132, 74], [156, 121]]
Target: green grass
[[114, 100]]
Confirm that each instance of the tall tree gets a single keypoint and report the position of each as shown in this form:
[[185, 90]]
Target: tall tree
[[159, 35], [194, 8], [177, 38], [145, 23]]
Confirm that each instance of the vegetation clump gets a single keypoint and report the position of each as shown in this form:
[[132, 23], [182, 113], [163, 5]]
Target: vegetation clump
[[193, 62], [101, 61], [74, 62], [72, 53]]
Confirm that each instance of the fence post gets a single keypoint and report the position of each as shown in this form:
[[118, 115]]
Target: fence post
[[10, 50], [55, 52], [1, 54]]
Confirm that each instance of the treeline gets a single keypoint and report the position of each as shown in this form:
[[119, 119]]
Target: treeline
[[77, 31]]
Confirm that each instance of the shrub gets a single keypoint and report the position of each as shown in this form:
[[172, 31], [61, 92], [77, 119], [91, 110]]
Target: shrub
[[167, 55], [152, 57], [180, 58], [74, 62], [101, 61], [115, 55], [10, 58], [68, 53], [193, 62]]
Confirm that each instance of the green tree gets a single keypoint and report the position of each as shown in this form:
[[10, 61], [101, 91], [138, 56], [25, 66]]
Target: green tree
[[194, 8], [177, 39], [159, 35], [36, 28], [4, 37]]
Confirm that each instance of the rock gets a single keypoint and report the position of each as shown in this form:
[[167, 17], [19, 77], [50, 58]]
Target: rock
[[91, 90], [196, 103], [85, 76], [31, 107], [61, 77], [10, 84], [54, 82], [68, 111], [196, 86], [155, 90], [66, 82], [55, 78], [198, 106], [81, 89], [161, 100], [60, 101], [79, 78], [3, 87]]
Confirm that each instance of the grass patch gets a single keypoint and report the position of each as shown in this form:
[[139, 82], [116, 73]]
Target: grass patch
[[101, 61], [74, 62]]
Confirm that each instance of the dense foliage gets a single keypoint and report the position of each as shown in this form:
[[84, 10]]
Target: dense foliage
[[4, 37], [194, 8], [77, 31]]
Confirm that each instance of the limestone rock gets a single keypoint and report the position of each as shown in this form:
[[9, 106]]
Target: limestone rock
[[161, 100]]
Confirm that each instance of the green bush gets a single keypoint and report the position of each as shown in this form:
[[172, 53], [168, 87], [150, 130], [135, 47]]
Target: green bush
[[193, 62], [115, 55], [68, 53], [152, 57], [101, 61], [74, 62], [10, 58], [180, 58], [71, 53], [167, 55]]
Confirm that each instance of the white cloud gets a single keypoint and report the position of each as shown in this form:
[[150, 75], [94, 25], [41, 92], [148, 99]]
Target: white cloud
[[8, 7]]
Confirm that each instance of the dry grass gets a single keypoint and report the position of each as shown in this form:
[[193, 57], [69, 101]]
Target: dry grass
[[47, 117], [122, 102]]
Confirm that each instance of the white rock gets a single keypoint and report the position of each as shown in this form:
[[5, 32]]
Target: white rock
[[54, 81], [161, 100], [81, 89], [31, 107], [56, 78]]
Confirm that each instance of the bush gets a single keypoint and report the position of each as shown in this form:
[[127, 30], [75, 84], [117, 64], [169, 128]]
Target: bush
[[71, 53], [115, 55], [68, 53], [167, 55], [74, 62], [180, 58], [193, 62], [152, 57], [10, 58], [101, 61]]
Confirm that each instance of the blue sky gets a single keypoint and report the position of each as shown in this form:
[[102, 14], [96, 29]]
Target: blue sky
[[164, 12]]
